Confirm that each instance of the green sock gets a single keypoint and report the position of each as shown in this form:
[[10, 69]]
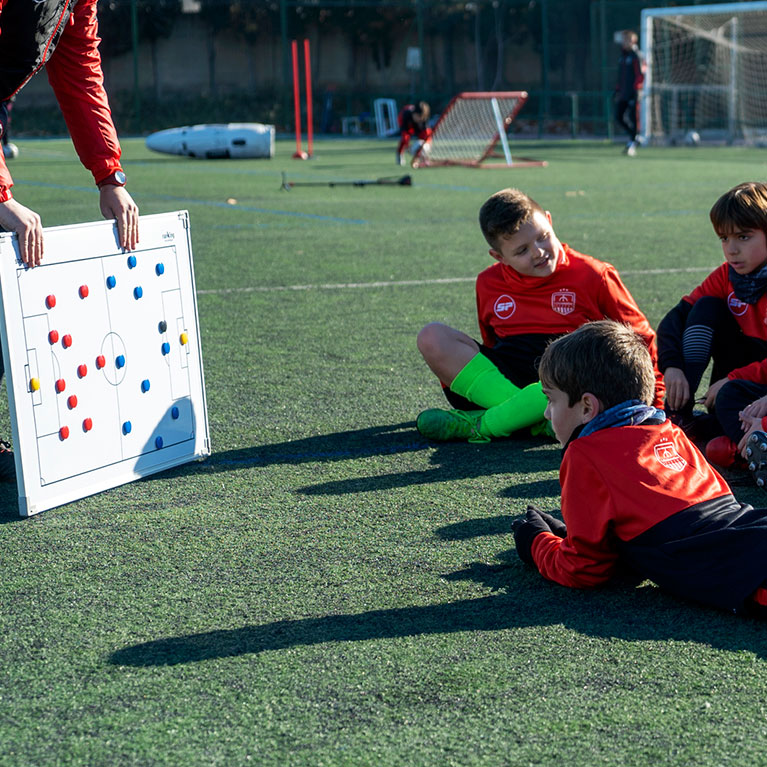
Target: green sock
[[481, 382], [522, 409]]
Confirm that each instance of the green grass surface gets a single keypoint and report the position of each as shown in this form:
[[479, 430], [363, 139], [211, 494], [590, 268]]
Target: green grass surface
[[328, 588]]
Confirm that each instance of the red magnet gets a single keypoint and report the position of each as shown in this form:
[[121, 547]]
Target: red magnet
[[50, 301], [100, 361], [87, 424], [83, 291], [53, 336], [67, 341], [60, 385], [72, 402], [82, 370], [64, 432]]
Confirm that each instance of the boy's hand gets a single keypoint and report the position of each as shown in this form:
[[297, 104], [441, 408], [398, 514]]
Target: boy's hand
[[749, 424], [757, 409], [529, 527], [713, 390], [677, 388]]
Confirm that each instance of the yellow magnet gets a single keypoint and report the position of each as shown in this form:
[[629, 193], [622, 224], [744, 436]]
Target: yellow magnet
[[34, 384]]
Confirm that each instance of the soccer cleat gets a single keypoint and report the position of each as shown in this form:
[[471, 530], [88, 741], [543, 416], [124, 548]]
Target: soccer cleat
[[7, 463], [451, 425], [631, 149], [756, 453], [722, 451]]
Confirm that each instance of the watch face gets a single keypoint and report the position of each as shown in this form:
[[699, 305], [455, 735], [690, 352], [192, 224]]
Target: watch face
[[120, 177]]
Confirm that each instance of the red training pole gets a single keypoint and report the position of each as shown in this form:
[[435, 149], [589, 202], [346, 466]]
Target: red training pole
[[309, 122], [299, 154]]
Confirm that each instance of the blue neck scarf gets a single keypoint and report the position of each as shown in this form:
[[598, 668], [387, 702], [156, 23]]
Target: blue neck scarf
[[748, 287], [628, 413]]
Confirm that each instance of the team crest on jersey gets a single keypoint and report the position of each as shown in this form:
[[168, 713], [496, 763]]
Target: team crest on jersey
[[504, 307], [563, 301], [667, 454], [737, 307]]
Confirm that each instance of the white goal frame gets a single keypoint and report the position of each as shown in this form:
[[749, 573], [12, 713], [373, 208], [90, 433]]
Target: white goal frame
[[740, 124], [457, 141]]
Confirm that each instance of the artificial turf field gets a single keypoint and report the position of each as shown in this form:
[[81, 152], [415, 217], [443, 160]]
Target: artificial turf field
[[328, 588]]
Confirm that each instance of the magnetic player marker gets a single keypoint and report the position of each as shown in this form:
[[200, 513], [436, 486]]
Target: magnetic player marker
[[50, 301], [72, 402], [138, 291], [61, 384], [160, 268], [66, 341], [158, 442], [87, 424], [82, 370], [174, 413], [100, 361], [84, 291], [166, 348], [184, 338], [34, 384], [53, 336], [163, 326], [145, 385], [111, 281], [127, 426], [131, 262], [64, 432], [120, 361]]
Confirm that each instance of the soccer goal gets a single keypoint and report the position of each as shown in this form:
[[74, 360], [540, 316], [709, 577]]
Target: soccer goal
[[470, 129], [706, 73]]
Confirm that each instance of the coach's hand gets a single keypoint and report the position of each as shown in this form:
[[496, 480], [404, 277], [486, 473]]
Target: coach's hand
[[14, 217], [677, 388], [529, 527], [116, 203]]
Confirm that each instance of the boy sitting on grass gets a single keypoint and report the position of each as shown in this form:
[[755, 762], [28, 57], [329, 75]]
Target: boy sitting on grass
[[635, 490], [538, 290]]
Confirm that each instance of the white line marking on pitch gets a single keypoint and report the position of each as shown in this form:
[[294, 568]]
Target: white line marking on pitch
[[409, 283]]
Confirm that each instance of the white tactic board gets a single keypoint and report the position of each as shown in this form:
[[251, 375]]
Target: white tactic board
[[102, 358]]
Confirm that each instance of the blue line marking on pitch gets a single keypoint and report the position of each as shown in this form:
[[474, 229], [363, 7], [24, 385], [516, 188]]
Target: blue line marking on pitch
[[320, 455], [206, 203]]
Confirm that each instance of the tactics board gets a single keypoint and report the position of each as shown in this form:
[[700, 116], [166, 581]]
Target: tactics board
[[102, 358]]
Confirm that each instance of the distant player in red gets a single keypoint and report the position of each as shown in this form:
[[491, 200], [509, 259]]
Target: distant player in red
[[635, 491], [538, 290], [413, 123]]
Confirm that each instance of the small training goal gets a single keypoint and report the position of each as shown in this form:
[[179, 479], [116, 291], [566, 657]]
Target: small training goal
[[472, 129]]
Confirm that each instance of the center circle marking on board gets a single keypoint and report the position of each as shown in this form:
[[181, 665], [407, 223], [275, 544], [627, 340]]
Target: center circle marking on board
[[113, 347]]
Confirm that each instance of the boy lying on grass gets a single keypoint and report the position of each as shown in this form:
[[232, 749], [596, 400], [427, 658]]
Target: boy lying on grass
[[635, 490]]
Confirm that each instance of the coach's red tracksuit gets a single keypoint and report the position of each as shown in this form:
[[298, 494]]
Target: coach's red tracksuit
[[645, 495], [62, 36], [580, 290]]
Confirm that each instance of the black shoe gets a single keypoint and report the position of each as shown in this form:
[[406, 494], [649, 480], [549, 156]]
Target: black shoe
[[756, 454], [7, 463]]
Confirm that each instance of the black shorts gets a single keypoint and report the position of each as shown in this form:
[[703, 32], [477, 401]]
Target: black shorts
[[517, 358]]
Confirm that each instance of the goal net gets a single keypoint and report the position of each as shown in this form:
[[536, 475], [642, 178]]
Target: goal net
[[706, 73], [472, 128]]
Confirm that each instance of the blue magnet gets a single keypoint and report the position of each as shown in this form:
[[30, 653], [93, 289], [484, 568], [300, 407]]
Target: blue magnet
[[138, 291], [166, 348], [111, 281], [174, 412], [160, 268], [131, 262], [158, 442], [120, 361], [163, 326], [127, 426], [145, 385]]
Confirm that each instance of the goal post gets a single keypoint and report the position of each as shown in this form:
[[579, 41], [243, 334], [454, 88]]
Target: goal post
[[705, 72], [470, 129]]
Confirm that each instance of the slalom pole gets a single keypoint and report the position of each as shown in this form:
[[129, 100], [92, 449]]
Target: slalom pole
[[299, 154], [309, 125]]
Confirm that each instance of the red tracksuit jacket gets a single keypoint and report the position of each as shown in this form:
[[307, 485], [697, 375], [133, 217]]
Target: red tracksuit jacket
[[646, 496], [580, 290], [27, 38]]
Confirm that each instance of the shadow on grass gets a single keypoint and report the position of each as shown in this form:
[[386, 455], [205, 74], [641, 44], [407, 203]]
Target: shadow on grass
[[524, 600], [450, 461]]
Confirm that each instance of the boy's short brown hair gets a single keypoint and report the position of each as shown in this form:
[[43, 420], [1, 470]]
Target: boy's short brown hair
[[504, 213], [605, 358], [743, 207]]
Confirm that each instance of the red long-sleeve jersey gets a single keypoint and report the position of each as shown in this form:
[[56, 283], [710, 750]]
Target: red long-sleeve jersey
[[74, 72], [645, 495], [581, 289]]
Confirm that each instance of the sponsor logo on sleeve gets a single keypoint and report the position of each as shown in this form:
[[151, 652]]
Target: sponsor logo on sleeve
[[563, 301], [504, 307], [668, 456], [737, 307]]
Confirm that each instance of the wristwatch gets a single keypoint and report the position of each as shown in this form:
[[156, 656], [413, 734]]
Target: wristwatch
[[117, 178]]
